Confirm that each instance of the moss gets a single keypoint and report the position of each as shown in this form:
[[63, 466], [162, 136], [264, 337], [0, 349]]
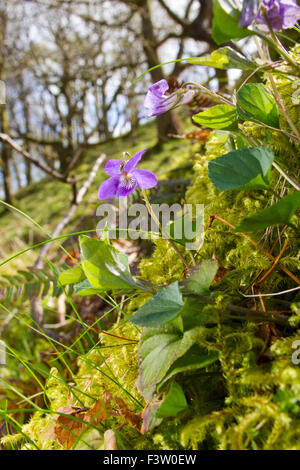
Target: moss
[[164, 266], [36, 431], [112, 367], [57, 390]]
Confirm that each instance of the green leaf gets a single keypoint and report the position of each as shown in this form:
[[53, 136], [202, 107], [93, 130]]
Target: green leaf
[[72, 276], [162, 308], [255, 104], [123, 258], [158, 350], [193, 313], [221, 116], [174, 402], [224, 58], [85, 289], [226, 22], [280, 213], [196, 358], [103, 267], [246, 168], [201, 278]]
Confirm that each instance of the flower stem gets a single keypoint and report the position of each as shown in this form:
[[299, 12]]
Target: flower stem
[[153, 215], [265, 55], [215, 95], [276, 42]]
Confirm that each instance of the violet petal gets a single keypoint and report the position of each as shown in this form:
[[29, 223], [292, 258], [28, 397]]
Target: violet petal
[[122, 191], [112, 167], [133, 162], [159, 88], [145, 178], [108, 188], [282, 14], [248, 14]]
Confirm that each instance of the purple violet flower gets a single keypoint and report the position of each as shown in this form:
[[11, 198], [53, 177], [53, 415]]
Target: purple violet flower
[[282, 14], [157, 101], [124, 177], [248, 13]]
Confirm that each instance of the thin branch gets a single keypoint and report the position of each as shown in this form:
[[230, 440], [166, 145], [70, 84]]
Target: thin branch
[[5, 139], [172, 14], [292, 182], [273, 293]]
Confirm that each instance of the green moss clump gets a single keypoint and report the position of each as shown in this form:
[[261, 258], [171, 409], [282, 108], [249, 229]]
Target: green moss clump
[[164, 266], [112, 367]]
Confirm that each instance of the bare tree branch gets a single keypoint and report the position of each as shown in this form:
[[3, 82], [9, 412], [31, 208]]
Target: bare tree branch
[[5, 139]]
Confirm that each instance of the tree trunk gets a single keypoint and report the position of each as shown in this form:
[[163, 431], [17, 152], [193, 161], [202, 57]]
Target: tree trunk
[[15, 166], [28, 173], [4, 124], [65, 155], [5, 157], [26, 143], [167, 122]]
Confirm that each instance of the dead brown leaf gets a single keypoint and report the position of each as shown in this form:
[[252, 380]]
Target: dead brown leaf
[[69, 428], [134, 420]]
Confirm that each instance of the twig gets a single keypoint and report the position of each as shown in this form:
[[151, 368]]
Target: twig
[[7, 140], [294, 183], [211, 93], [267, 274], [273, 293], [75, 160], [282, 106], [262, 303]]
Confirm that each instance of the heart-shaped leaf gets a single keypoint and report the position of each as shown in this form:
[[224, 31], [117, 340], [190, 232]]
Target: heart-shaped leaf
[[196, 358], [280, 213], [254, 103], [103, 266], [174, 402], [158, 350], [162, 308], [246, 168], [201, 278], [221, 116]]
